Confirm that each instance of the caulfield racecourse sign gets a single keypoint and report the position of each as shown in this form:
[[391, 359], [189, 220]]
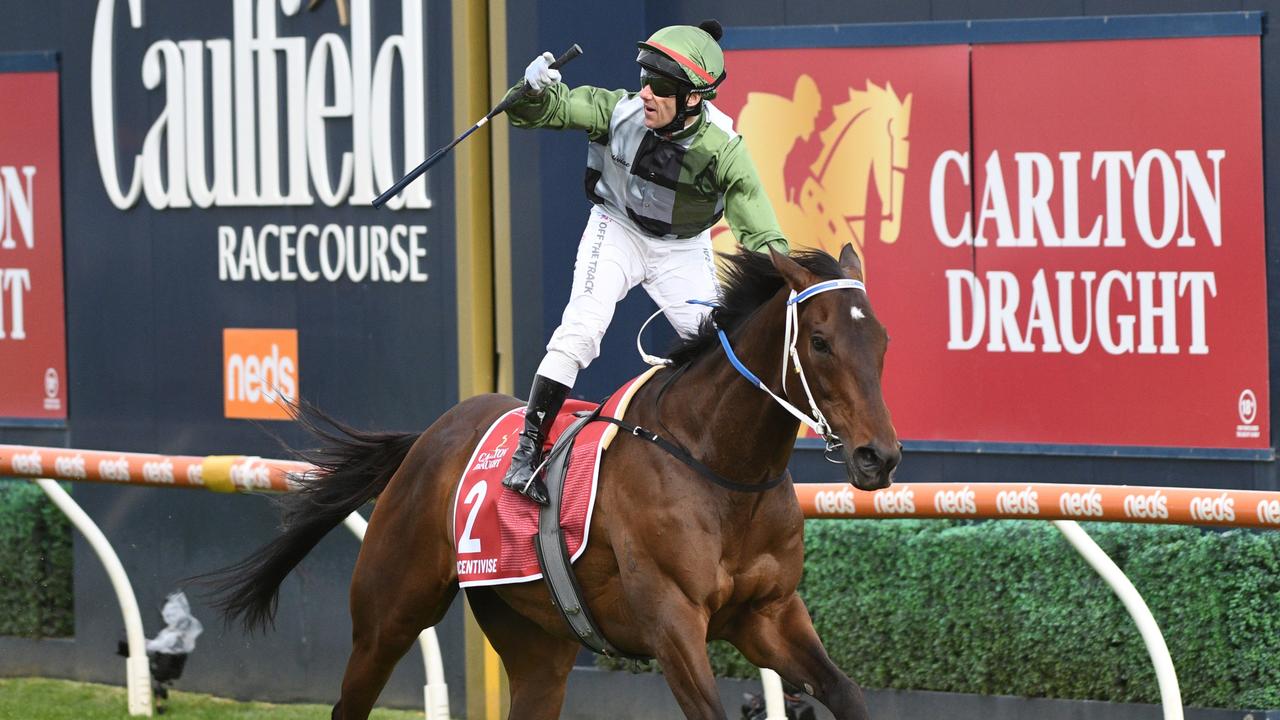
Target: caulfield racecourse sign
[[224, 139]]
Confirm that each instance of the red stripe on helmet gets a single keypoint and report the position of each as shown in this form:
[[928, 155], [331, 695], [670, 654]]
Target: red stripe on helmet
[[708, 77]]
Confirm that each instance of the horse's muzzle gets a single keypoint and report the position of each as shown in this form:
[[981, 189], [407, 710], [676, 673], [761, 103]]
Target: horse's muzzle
[[871, 466]]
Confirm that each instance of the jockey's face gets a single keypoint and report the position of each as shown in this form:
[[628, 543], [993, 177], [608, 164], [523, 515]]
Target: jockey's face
[[660, 111]]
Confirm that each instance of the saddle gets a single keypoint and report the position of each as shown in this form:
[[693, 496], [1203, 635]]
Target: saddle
[[549, 542]]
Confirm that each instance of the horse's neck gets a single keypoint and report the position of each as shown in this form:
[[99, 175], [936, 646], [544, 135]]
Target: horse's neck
[[741, 432]]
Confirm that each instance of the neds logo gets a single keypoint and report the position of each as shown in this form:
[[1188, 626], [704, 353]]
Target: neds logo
[[28, 463], [70, 467], [1152, 507], [1081, 504], [158, 471], [900, 501], [117, 470], [833, 502], [1018, 502], [956, 502], [251, 475], [1269, 512], [1214, 509], [260, 372]]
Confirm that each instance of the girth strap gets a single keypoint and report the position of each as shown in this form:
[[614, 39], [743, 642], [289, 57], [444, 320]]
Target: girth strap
[[553, 554]]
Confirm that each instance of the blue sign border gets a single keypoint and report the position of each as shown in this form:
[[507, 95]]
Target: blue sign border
[[966, 32], [29, 61]]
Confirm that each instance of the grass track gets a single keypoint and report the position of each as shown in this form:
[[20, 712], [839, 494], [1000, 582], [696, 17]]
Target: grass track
[[45, 699]]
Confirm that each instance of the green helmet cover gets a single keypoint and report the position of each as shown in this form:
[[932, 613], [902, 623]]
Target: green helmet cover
[[694, 50]]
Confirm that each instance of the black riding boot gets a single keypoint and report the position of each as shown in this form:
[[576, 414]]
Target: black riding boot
[[545, 399]]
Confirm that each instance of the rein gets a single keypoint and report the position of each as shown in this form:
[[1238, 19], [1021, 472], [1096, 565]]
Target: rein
[[683, 456]]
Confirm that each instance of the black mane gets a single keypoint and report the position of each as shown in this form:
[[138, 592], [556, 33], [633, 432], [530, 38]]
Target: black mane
[[749, 281]]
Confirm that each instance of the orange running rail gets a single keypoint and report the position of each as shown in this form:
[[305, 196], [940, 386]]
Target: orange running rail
[[1036, 501], [1045, 501], [220, 473]]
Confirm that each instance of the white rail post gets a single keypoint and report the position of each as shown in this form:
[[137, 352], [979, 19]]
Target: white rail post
[[137, 667], [435, 694], [775, 705], [1170, 697]]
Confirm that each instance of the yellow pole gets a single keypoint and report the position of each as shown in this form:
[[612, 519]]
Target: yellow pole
[[487, 691], [473, 207], [486, 684], [504, 324]]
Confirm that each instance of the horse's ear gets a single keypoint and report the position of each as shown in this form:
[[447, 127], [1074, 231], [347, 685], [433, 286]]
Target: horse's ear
[[795, 275], [850, 261]]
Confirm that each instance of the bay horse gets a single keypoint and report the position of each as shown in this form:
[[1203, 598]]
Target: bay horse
[[674, 560]]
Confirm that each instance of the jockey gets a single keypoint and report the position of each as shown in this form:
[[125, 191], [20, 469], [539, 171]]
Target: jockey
[[663, 165]]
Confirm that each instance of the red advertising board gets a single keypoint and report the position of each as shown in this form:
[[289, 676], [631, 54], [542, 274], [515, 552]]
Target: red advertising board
[[1089, 272], [32, 328]]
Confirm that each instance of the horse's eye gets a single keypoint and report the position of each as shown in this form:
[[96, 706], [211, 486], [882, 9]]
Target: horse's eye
[[819, 345]]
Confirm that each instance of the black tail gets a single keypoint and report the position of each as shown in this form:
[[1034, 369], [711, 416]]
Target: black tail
[[353, 469]]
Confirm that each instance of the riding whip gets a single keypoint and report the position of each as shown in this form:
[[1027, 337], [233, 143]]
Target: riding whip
[[573, 52]]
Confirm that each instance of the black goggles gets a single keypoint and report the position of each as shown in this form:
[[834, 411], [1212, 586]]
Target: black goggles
[[661, 85]]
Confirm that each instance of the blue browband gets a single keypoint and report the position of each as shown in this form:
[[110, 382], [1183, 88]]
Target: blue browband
[[825, 286]]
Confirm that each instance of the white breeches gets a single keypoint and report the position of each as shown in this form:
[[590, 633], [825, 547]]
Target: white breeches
[[612, 259]]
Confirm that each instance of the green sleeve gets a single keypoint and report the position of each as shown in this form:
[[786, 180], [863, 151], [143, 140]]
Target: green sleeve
[[559, 108], [746, 206]]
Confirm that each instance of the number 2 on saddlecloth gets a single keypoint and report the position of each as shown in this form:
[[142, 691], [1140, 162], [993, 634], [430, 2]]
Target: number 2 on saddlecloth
[[475, 498]]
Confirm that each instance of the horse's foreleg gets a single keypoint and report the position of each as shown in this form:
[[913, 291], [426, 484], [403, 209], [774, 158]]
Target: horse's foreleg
[[537, 663], [679, 643], [781, 637]]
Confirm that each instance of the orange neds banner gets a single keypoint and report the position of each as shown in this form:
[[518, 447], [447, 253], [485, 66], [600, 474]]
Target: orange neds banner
[[260, 372]]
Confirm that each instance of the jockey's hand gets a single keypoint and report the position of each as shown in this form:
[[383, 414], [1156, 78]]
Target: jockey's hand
[[539, 74]]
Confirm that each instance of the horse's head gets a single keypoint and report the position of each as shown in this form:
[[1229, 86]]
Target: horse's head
[[841, 347]]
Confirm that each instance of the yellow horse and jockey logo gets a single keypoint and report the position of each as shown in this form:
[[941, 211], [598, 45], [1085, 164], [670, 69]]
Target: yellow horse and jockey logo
[[845, 185]]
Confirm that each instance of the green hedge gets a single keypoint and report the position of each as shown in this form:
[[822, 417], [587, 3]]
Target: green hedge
[[35, 564], [1009, 608]]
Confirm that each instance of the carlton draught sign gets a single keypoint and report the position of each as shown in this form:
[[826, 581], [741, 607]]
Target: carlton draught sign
[[1064, 240], [32, 332]]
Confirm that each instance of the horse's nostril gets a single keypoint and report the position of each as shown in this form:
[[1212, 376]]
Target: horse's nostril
[[868, 458], [873, 460]]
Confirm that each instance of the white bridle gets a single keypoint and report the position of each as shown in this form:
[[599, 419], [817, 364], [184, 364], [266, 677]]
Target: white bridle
[[816, 421]]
